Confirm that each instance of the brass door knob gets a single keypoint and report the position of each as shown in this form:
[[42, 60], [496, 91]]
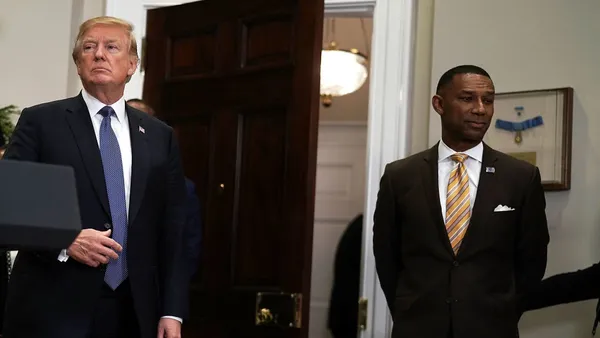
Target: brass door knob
[[264, 317]]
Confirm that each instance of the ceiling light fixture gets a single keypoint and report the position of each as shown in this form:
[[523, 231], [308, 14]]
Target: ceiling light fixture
[[342, 71]]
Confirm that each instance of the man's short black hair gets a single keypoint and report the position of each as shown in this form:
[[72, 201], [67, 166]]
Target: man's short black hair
[[447, 77]]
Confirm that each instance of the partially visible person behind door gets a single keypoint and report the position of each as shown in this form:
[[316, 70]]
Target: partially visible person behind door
[[193, 221], [345, 292]]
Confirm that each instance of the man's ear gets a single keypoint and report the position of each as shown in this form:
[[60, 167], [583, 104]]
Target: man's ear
[[133, 63], [438, 104], [78, 67]]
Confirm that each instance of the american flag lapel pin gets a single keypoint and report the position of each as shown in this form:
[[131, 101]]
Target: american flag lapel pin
[[142, 130], [490, 170]]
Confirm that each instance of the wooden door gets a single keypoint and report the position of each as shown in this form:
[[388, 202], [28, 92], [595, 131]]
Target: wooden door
[[239, 82]]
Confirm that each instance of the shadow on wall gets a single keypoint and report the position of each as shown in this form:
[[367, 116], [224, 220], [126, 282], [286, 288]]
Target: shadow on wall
[[573, 320], [576, 318]]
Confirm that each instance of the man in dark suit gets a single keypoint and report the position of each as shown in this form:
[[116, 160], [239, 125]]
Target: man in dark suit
[[566, 288], [123, 275], [460, 229], [345, 292], [192, 233]]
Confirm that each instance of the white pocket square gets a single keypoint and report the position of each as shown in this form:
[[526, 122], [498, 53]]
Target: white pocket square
[[501, 208]]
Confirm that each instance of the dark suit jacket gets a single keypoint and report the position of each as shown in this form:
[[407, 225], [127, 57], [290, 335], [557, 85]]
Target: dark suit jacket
[[345, 292], [193, 228], [430, 290], [51, 299]]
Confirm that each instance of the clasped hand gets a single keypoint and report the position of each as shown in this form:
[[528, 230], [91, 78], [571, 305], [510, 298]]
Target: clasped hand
[[93, 247]]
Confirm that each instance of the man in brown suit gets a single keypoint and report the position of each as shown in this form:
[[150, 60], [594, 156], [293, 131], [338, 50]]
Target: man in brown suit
[[460, 229]]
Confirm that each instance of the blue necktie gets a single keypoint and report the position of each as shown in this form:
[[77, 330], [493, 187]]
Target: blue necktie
[[116, 271]]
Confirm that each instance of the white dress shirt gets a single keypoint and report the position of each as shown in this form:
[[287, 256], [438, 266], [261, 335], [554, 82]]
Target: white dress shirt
[[446, 164], [120, 126]]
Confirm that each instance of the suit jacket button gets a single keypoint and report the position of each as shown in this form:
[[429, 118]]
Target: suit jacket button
[[107, 226], [455, 263]]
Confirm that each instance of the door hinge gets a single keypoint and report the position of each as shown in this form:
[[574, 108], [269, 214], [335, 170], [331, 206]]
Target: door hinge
[[362, 313]]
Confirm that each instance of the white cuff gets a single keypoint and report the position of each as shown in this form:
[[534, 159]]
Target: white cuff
[[176, 318], [63, 257]]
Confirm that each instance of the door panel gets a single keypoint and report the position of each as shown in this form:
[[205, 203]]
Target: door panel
[[259, 199], [238, 80]]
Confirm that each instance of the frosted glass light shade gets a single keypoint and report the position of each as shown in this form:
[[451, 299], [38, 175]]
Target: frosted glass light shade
[[342, 72]]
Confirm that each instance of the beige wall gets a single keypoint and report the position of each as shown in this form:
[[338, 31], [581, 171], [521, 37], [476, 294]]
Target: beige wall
[[349, 34], [421, 98], [540, 44]]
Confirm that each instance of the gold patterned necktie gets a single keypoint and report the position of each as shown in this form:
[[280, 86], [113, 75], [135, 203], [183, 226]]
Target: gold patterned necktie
[[458, 202]]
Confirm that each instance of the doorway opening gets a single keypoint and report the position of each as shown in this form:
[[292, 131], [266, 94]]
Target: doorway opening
[[340, 191]]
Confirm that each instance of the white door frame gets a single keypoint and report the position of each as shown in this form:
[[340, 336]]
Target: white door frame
[[390, 103]]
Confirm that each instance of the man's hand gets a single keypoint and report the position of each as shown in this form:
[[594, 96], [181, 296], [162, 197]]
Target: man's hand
[[93, 247], [169, 328]]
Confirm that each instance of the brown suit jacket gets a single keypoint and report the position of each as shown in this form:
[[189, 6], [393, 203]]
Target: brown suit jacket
[[434, 293]]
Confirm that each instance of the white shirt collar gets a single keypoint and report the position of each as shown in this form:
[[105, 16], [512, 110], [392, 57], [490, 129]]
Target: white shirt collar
[[475, 153], [94, 105]]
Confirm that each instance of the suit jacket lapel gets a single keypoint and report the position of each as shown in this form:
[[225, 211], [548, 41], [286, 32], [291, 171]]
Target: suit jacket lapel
[[431, 186], [484, 199], [80, 123], [140, 161]]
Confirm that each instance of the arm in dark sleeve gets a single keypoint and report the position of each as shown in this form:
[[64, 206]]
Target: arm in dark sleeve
[[175, 292], [386, 243], [193, 228], [565, 288], [24, 143], [532, 238]]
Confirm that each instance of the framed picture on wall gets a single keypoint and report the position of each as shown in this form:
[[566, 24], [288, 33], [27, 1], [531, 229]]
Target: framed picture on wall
[[535, 126]]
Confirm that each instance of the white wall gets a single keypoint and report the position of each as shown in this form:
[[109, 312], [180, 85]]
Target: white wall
[[35, 43], [540, 44]]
